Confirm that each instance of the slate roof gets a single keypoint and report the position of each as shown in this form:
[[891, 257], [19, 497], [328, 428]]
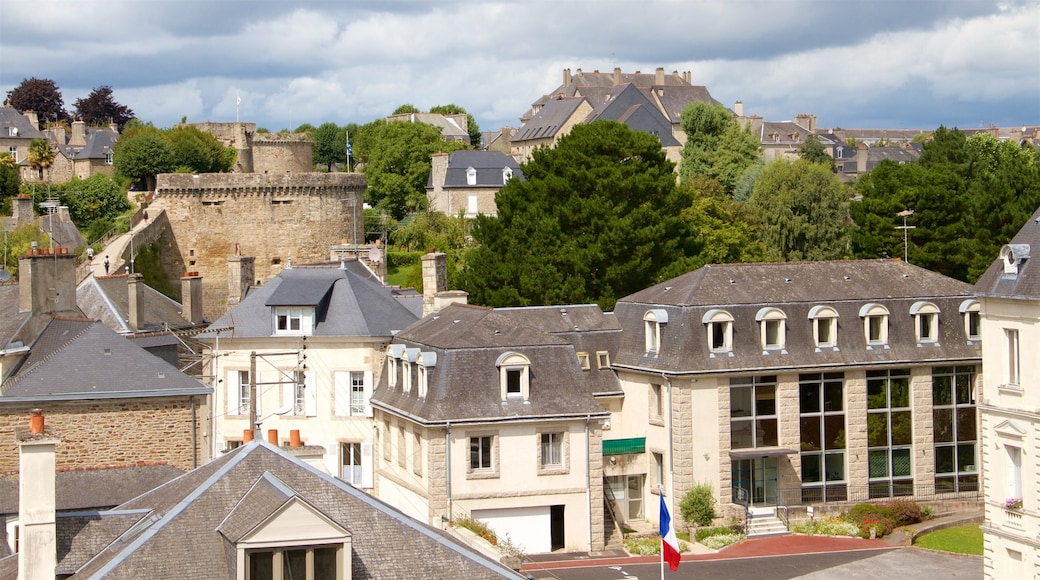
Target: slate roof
[[674, 98], [83, 359], [10, 119], [104, 487], [181, 537], [464, 384], [794, 288], [106, 298], [349, 301], [489, 165], [627, 104], [99, 142], [1025, 284], [449, 128], [549, 120], [11, 320]]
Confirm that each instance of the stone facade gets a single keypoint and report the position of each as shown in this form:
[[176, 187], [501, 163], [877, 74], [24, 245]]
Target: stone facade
[[275, 218], [263, 152], [112, 432]]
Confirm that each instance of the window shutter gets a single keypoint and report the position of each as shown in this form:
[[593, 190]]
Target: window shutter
[[368, 393], [288, 391], [310, 395], [232, 393], [366, 465], [342, 393]]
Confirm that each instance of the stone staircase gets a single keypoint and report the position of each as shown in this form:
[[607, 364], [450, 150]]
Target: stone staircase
[[763, 522]]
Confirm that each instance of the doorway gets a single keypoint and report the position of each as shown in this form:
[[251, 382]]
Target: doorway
[[755, 479], [557, 535]]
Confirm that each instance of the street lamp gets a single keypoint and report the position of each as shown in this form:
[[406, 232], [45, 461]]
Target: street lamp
[[905, 214]]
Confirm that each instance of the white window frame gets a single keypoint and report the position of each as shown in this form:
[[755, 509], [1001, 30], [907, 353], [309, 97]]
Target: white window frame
[[871, 314], [507, 174], [656, 402], [299, 393], [926, 321], [824, 320], [472, 205], [772, 328], [486, 440], [1013, 370], [471, 176], [719, 326], [652, 321], [356, 463], [552, 451], [510, 364], [352, 393], [1013, 475], [302, 317], [14, 152], [583, 360], [971, 310], [237, 392], [602, 359], [425, 362]]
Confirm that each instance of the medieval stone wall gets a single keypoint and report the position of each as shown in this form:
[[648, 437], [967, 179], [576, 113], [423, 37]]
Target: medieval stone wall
[[282, 155], [111, 432], [273, 217]]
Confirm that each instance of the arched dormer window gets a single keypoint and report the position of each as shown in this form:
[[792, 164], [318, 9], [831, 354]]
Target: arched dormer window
[[471, 176], [425, 363], [408, 359], [972, 319], [507, 174], [772, 328], [825, 326], [393, 362], [875, 324], [719, 324], [652, 321], [514, 376], [926, 321]]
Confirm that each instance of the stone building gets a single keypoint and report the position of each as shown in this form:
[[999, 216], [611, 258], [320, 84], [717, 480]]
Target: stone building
[[798, 384], [276, 218], [466, 181], [263, 152]]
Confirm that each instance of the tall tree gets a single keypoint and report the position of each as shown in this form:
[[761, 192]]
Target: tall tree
[[99, 197], [330, 145], [142, 152], [196, 151], [40, 95], [406, 109], [41, 155], [99, 108], [814, 151], [9, 180], [803, 209], [471, 124], [717, 145], [596, 218]]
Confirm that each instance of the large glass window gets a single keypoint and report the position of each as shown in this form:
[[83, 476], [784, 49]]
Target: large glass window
[[822, 409], [889, 433], [953, 429], [752, 412]]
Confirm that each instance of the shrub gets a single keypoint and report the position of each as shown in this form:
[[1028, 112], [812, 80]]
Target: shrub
[[477, 527], [904, 511], [828, 527], [927, 512], [704, 533], [649, 545], [719, 541], [868, 515], [881, 527], [698, 505]]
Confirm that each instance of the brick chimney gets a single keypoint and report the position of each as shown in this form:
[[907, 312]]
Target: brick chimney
[[135, 301], [38, 540], [241, 273], [79, 134], [191, 297], [47, 281]]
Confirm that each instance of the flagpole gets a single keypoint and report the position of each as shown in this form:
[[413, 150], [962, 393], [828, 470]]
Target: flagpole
[[660, 490]]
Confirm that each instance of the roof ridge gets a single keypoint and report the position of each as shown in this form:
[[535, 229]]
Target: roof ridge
[[23, 373]]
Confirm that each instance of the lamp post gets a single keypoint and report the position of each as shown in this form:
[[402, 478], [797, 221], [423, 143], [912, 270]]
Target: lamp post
[[905, 214]]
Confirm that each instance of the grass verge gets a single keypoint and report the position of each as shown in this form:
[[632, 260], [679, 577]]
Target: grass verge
[[960, 540]]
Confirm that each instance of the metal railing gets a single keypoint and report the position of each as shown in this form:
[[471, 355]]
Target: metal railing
[[608, 502], [842, 493]]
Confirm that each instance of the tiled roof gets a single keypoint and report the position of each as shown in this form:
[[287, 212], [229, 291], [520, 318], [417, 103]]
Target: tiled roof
[[350, 304], [106, 298], [794, 288], [465, 383], [82, 535], [183, 540], [83, 359], [549, 120], [627, 104], [488, 164], [104, 487], [1026, 283]]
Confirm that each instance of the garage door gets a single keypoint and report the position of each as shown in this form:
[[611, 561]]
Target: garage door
[[527, 527]]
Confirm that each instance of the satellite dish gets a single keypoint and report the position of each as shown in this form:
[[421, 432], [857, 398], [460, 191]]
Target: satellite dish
[[4, 275]]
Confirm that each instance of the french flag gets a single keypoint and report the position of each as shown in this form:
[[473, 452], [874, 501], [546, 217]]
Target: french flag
[[669, 543]]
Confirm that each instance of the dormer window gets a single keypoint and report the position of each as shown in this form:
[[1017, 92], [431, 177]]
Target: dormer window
[[393, 362], [507, 174], [471, 176], [926, 321], [583, 360], [972, 319], [426, 362], [409, 359], [825, 326], [294, 320], [875, 324], [719, 324], [652, 321], [602, 359], [772, 323], [514, 376], [406, 376]]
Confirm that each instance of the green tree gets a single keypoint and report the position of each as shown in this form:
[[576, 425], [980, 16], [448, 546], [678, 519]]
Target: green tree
[[406, 109], [40, 95], [471, 124], [725, 230], [9, 181], [141, 153], [99, 197], [396, 161], [306, 128], [426, 230], [20, 240], [814, 151], [41, 155], [330, 145], [803, 210], [596, 218], [99, 108], [196, 151], [717, 145], [698, 505]]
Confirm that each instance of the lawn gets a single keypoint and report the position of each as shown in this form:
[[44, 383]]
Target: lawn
[[961, 539]]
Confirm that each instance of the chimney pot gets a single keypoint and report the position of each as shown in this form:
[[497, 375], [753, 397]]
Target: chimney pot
[[36, 421], [247, 435], [272, 436], [294, 438]]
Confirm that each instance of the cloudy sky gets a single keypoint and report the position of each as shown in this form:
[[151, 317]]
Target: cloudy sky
[[856, 63]]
